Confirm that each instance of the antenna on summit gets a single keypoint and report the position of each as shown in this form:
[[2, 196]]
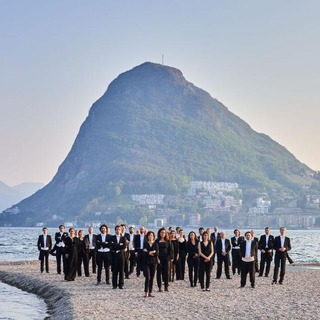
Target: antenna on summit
[[162, 59]]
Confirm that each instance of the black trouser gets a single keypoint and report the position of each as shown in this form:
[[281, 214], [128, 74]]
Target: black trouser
[[247, 267], [60, 254], [181, 265], [83, 257], [172, 268], [162, 272], [226, 261], [93, 258], [132, 261], [149, 272], [279, 261], [117, 262], [266, 258], [140, 264], [126, 263], [204, 269], [103, 260], [193, 266], [44, 260], [236, 260]]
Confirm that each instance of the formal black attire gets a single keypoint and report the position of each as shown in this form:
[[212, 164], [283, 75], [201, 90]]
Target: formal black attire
[[103, 243], [150, 265], [132, 253], [92, 250], [181, 265], [205, 267], [280, 257], [223, 258], [83, 256], [248, 261], [139, 240], [235, 253], [193, 262], [265, 244], [165, 254], [71, 252], [126, 255], [118, 260], [256, 262], [60, 250], [44, 246], [173, 264], [214, 237]]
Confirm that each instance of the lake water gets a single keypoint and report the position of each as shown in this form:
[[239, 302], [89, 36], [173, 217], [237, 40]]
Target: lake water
[[21, 244]]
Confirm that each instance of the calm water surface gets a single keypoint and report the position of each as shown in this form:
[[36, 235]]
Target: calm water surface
[[21, 243]]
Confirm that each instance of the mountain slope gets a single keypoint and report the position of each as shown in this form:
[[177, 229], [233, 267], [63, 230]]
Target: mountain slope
[[153, 132]]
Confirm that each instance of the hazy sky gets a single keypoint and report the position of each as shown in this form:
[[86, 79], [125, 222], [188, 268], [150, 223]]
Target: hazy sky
[[259, 58]]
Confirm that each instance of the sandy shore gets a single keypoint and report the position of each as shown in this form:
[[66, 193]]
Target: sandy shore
[[297, 298]]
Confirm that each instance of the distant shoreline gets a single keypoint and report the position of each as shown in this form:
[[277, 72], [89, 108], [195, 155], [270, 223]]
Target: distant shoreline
[[83, 299]]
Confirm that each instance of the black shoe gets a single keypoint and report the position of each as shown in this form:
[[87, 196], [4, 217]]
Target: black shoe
[[252, 286], [228, 277], [241, 287], [98, 282], [114, 287], [266, 275], [274, 282], [259, 275], [280, 282], [120, 287], [107, 282]]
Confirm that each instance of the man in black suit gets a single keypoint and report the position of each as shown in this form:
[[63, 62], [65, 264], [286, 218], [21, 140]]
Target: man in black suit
[[281, 246], [248, 249], [44, 246], [266, 249], [235, 251], [256, 262], [132, 254], [139, 240], [60, 248], [92, 238], [103, 243], [223, 248], [126, 235], [118, 258], [214, 236]]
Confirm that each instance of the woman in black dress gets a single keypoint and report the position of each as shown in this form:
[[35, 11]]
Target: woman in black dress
[[151, 252], [206, 252], [181, 265], [165, 255], [193, 258], [71, 255], [83, 254], [173, 263]]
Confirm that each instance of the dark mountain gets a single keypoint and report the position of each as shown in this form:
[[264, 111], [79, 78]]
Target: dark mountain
[[154, 132]]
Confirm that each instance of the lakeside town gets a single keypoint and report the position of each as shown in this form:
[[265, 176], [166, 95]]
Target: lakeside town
[[217, 203]]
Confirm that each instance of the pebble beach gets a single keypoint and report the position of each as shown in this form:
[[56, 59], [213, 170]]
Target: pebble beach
[[297, 298]]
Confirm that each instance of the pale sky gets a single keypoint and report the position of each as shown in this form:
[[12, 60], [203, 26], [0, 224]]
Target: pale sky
[[259, 58]]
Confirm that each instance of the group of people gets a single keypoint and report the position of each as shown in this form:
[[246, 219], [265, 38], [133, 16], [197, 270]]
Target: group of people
[[164, 255]]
